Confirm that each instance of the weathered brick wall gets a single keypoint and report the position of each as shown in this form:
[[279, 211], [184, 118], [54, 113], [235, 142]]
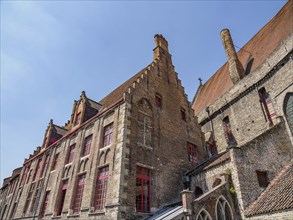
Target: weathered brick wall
[[165, 152], [206, 178], [269, 152]]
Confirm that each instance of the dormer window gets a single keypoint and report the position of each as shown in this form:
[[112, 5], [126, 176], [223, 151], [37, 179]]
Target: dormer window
[[77, 118]]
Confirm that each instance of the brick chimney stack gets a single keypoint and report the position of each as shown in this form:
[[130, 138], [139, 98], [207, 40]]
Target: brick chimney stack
[[235, 67], [161, 46]]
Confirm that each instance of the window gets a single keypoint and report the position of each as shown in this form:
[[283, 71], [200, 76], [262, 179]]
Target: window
[[158, 99], [262, 178], [28, 199], [224, 211], [35, 204], [288, 109], [56, 161], [143, 189], [183, 115], [267, 104], [192, 153], [203, 215], [45, 204], [216, 182], [62, 197], [78, 194], [70, 154], [25, 172], [87, 146], [12, 213], [77, 118], [37, 169], [228, 130], [101, 188], [11, 186], [197, 192], [45, 166], [108, 130], [29, 176]]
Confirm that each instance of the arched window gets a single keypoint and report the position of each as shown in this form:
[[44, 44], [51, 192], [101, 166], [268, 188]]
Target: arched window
[[217, 182], [288, 110], [203, 215], [223, 210], [197, 192]]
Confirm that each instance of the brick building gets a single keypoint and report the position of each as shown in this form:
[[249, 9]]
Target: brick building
[[119, 158], [140, 153]]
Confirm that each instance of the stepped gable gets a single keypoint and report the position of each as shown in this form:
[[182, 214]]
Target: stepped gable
[[117, 93], [277, 196], [259, 48]]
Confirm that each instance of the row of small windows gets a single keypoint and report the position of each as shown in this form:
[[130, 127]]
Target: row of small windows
[[143, 193], [107, 140]]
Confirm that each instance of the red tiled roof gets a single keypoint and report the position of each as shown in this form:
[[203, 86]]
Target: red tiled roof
[[260, 47], [278, 195]]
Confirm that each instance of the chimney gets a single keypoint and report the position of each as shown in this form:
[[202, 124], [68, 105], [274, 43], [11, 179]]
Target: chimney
[[235, 67], [161, 46], [187, 201]]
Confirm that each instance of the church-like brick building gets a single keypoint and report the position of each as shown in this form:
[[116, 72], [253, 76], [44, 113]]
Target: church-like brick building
[[146, 152]]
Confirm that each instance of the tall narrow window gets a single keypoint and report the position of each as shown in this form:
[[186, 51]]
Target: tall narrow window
[[101, 188], [45, 204], [77, 118], [183, 115], [62, 197], [268, 105], [158, 98], [37, 169], [11, 186], [224, 211], [29, 176], [262, 178], [70, 154], [228, 130], [56, 161], [288, 109], [34, 200], [87, 146], [24, 175], [45, 165], [192, 153], [12, 213], [78, 194], [108, 130], [143, 189], [28, 198]]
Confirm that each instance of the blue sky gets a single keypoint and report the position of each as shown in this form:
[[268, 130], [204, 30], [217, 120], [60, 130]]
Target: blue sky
[[52, 50]]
